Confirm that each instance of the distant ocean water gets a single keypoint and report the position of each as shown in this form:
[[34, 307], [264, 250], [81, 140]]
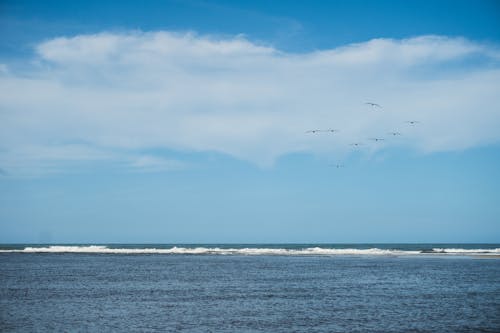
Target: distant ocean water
[[250, 287]]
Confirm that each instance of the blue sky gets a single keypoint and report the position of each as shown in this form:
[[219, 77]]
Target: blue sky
[[186, 121]]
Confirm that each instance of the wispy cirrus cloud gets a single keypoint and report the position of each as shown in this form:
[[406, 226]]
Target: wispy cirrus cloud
[[70, 158], [182, 91]]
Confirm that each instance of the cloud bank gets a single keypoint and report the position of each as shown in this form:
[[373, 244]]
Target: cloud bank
[[109, 97]]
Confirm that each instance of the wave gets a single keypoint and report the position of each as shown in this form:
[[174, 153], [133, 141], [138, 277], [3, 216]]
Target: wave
[[310, 251], [467, 251]]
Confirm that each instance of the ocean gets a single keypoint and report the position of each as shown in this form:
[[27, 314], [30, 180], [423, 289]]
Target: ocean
[[250, 288]]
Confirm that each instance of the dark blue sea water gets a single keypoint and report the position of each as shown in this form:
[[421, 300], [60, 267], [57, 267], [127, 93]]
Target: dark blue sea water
[[60, 290]]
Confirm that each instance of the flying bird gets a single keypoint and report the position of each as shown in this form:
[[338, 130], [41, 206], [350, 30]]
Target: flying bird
[[320, 130], [394, 133], [356, 144], [338, 166], [376, 139], [412, 122], [373, 104]]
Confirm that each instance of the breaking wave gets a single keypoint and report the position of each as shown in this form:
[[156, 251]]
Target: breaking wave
[[309, 251], [464, 251]]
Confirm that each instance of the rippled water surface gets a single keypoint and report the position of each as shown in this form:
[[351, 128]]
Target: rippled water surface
[[237, 293]]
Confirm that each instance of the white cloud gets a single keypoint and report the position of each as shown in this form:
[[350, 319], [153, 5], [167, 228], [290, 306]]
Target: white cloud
[[39, 160], [187, 92], [149, 163]]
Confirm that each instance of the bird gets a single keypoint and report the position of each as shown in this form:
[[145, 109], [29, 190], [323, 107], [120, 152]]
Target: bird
[[356, 144], [336, 165], [394, 133], [373, 104], [376, 139], [412, 122], [322, 130]]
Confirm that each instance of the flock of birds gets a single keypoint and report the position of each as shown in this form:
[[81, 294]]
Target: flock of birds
[[357, 144]]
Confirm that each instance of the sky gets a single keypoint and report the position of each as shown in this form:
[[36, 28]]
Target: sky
[[189, 121]]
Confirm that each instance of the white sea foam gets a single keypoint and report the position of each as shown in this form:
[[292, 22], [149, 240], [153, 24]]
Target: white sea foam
[[213, 250], [467, 251], [250, 251]]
